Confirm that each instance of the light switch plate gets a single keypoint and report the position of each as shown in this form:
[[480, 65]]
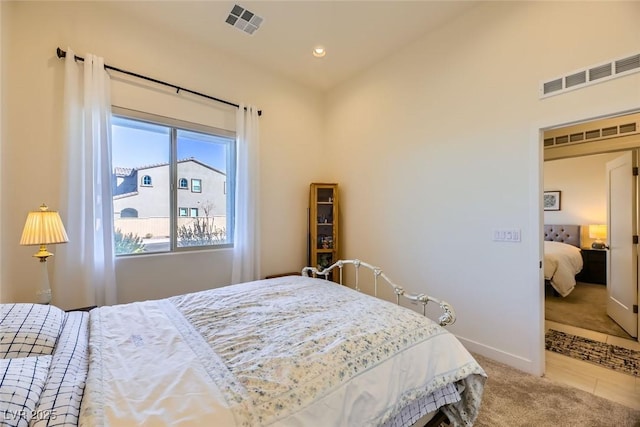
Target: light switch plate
[[506, 235]]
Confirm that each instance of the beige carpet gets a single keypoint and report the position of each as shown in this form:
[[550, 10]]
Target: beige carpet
[[585, 307], [515, 399]]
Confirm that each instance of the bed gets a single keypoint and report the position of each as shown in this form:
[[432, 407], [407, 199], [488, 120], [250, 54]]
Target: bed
[[562, 257], [288, 351]]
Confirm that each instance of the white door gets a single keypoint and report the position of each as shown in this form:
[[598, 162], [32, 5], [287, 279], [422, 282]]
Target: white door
[[622, 257]]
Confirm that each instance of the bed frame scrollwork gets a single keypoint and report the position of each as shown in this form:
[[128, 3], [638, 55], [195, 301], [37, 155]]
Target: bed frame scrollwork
[[448, 318]]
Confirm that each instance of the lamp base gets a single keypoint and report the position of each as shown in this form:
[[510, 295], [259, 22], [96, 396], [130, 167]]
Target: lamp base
[[598, 245], [44, 291], [44, 297]]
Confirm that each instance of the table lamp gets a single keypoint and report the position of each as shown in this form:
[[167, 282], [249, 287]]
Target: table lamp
[[598, 232], [43, 227]]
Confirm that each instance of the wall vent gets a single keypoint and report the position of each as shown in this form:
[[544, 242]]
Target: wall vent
[[553, 86], [590, 75], [628, 128], [600, 72], [244, 20], [610, 131], [576, 137], [593, 132], [576, 79], [627, 64]]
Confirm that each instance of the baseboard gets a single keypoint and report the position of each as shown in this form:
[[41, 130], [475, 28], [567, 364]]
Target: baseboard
[[515, 361]]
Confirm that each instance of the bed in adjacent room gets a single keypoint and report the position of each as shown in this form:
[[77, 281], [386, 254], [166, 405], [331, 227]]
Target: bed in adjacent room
[[562, 257], [293, 350]]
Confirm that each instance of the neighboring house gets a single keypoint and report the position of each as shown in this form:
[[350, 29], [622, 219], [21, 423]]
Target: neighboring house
[[143, 193]]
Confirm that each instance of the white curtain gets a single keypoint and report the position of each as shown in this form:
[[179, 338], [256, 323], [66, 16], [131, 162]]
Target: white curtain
[[246, 250], [84, 267]]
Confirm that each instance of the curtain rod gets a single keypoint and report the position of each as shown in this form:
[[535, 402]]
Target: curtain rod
[[62, 54]]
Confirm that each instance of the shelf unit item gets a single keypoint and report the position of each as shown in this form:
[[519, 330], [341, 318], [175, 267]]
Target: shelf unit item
[[323, 226]]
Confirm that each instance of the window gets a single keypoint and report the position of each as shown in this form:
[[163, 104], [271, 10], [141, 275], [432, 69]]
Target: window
[[166, 219], [192, 212], [129, 213], [196, 186]]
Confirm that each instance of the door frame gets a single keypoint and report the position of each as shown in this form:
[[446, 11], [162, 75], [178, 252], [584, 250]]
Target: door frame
[[537, 154]]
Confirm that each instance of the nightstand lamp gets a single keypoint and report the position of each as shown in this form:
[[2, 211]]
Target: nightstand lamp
[[598, 232], [43, 227]]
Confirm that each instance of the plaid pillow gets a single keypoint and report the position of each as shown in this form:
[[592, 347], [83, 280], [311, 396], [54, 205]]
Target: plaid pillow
[[60, 400], [21, 382], [29, 329]]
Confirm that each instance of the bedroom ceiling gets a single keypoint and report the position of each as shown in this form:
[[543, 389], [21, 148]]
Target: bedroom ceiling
[[355, 34]]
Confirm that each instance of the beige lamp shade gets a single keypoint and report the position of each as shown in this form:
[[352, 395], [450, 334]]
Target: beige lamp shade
[[43, 227], [598, 231]]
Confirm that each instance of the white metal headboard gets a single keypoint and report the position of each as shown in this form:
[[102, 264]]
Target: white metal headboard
[[448, 318]]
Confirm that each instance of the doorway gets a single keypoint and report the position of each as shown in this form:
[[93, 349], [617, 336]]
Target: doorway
[[575, 159], [582, 181]]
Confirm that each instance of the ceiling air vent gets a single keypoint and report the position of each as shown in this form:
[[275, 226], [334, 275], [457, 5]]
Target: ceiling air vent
[[244, 20], [590, 75]]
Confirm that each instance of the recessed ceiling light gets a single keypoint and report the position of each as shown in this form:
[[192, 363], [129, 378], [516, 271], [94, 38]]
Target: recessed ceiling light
[[319, 52]]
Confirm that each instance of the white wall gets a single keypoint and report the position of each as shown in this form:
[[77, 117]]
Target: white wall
[[291, 131], [440, 144], [3, 29], [583, 185]]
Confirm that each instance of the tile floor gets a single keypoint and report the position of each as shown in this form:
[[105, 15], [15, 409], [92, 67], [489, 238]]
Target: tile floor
[[612, 385]]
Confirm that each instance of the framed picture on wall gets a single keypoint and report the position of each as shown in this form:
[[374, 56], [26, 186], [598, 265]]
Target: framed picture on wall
[[551, 201]]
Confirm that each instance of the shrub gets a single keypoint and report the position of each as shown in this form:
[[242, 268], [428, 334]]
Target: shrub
[[201, 232], [127, 243]]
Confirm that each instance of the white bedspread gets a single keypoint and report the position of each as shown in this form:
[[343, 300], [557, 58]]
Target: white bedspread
[[291, 351], [561, 264]]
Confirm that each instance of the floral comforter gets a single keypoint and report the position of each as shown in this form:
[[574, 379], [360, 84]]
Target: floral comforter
[[286, 351]]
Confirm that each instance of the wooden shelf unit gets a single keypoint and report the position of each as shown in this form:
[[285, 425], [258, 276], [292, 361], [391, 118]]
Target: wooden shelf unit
[[323, 225]]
